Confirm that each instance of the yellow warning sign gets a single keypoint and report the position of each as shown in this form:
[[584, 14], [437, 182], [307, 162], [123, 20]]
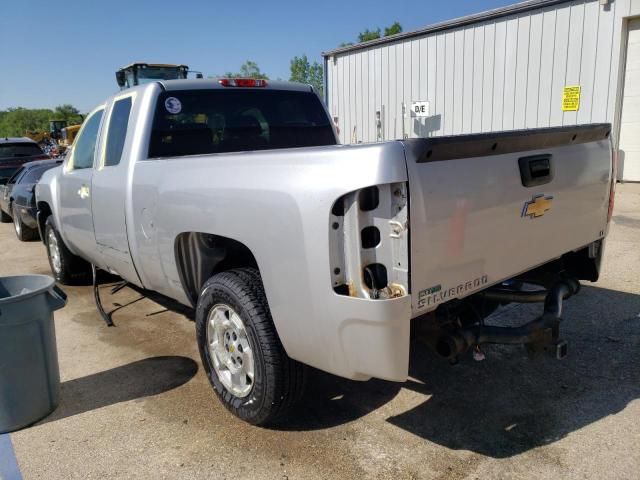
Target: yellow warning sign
[[571, 98]]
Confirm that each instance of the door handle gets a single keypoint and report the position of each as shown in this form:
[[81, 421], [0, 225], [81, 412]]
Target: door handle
[[83, 193], [535, 170]]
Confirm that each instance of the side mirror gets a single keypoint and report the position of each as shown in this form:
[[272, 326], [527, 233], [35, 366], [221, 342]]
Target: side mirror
[[3, 180]]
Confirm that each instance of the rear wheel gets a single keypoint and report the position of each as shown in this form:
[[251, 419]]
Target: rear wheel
[[66, 267], [240, 349], [24, 233]]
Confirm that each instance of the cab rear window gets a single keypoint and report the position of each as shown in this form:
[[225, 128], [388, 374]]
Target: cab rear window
[[196, 122]]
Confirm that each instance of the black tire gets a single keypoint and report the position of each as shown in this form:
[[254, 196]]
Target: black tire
[[24, 233], [278, 381], [72, 270], [4, 218]]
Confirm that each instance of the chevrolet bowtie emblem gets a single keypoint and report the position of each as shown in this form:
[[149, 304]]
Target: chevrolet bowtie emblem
[[537, 206]]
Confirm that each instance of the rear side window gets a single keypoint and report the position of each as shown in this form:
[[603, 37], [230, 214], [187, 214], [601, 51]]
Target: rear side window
[[118, 125], [85, 145], [234, 120], [9, 150]]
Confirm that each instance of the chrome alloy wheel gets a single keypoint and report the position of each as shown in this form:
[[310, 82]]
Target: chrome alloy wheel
[[229, 350], [54, 251]]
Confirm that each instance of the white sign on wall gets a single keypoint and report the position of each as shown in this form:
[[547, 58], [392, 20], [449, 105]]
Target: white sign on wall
[[420, 109]]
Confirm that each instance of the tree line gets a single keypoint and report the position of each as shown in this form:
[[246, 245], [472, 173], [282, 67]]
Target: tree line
[[15, 122]]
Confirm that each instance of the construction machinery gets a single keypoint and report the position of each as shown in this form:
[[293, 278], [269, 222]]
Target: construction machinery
[[139, 73], [58, 138], [69, 135], [55, 128], [55, 131]]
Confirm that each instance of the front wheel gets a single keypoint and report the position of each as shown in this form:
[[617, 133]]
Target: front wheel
[[240, 349]]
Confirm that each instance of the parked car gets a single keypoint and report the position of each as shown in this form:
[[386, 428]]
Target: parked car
[[233, 198], [18, 200], [15, 152]]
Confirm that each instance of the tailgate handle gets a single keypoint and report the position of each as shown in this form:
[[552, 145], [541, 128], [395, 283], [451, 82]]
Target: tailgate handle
[[535, 170]]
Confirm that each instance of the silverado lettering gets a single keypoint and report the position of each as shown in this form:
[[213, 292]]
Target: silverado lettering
[[427, 297]]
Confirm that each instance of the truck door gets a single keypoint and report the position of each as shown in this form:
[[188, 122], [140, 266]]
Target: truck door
[[110, 192], [75, 190]]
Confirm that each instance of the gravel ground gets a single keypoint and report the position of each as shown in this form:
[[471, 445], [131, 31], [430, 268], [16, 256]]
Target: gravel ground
[[136, 404]]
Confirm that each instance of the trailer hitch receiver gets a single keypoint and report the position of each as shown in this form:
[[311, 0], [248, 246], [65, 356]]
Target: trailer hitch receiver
[[542, 333]]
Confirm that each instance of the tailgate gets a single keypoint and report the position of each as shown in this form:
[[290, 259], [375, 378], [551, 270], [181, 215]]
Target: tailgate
[[487, 207]]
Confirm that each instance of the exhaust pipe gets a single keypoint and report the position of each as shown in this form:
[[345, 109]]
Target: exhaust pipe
[[450, 346]]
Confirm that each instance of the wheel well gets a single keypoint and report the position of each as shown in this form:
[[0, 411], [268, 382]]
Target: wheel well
[[44, 212], [199, 256]]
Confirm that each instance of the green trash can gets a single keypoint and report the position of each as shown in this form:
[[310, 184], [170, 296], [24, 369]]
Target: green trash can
[[29, 373]]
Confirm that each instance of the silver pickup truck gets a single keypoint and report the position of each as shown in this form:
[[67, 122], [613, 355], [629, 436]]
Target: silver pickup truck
[[233, 198]]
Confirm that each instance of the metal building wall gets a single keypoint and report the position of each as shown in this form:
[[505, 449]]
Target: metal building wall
[[499, 74]]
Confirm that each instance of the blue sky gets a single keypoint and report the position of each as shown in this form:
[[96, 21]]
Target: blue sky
[[70, 55]]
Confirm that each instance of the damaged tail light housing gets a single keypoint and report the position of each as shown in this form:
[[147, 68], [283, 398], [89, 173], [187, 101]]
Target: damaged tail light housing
[[369, 242]]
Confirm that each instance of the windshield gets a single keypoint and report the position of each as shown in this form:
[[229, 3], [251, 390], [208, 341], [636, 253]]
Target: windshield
[[25, 149], [152, 74], [217, 121]]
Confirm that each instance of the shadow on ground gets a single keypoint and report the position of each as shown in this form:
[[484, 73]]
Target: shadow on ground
[[144, 378], [509, 403]]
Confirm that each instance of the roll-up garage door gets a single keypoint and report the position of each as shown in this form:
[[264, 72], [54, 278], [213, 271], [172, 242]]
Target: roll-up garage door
[[630, 120]]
